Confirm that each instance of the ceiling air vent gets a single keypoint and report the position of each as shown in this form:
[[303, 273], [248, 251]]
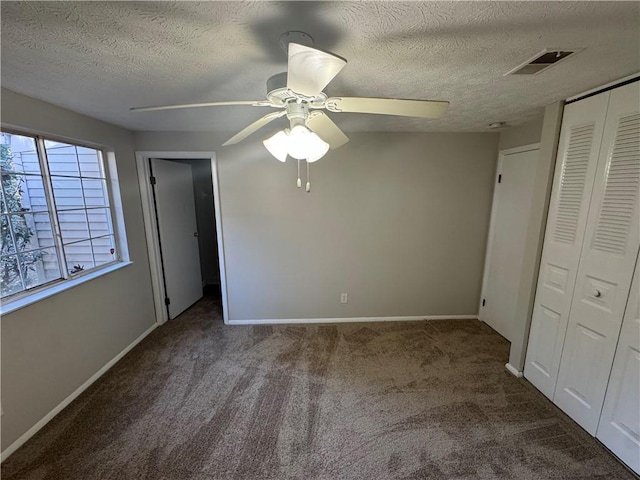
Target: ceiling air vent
[[542, 61]]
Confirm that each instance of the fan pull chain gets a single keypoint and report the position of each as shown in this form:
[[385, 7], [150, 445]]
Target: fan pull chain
[[299, 182], [308, 179]]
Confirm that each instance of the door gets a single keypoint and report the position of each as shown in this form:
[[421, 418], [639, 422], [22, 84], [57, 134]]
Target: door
[[619, 427], [511, 205], [176, 215], [578, 149], [606, 264]]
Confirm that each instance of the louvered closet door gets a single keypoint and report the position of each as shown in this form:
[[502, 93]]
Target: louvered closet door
[[619, 426], [606, 264], [582, 128]]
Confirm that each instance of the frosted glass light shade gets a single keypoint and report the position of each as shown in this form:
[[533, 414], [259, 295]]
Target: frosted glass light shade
[[306, 145], [300, 143], [316, 148], [278, 145]]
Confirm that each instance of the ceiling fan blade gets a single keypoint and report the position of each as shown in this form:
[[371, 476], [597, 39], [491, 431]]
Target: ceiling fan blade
[[255, 103], [310, 70], [388, 106], [254, 127], [328, 131]]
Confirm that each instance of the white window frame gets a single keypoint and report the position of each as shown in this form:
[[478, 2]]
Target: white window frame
[[68, 280]]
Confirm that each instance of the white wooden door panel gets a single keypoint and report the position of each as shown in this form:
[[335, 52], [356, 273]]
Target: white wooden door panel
[[578, 149], [606, 264], [512, 203], [619, 426], [177, 227]]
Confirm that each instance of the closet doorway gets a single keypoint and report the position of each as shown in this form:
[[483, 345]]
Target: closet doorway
[[175, 288]]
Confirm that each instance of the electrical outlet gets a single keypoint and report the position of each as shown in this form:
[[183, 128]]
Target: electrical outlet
[[344, 298]]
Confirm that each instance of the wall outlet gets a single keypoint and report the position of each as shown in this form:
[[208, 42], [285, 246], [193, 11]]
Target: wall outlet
[[344, 298]]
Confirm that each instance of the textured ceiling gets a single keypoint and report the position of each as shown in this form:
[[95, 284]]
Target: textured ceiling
[[100, 58]]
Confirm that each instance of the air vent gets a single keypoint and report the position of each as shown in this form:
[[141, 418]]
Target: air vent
[[542, 61]]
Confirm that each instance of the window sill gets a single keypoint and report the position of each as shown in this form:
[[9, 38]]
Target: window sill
[[18, 303]]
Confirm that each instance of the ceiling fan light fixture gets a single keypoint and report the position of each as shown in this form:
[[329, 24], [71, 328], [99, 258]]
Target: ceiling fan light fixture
[[278, 145], [298, 95]]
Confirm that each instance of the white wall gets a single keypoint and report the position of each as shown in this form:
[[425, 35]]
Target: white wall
[[52, 347], [396, 220]]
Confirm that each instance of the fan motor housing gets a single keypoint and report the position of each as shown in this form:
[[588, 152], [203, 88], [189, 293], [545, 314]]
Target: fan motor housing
[[277, 82], [279, 94]]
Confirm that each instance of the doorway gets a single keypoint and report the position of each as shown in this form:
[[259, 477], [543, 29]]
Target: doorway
[[512, 197], [181, 210]]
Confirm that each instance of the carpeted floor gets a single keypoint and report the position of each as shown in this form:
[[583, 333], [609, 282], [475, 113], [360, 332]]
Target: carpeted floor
[[416, 400]]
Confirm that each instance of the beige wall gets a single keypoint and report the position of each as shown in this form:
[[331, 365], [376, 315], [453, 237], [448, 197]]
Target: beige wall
[[525, 134], [396, 220], [52, 347]]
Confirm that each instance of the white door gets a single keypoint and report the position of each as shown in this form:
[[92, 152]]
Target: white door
[[582, 127], [505, 254], [176, 214], [619, 427], [606, 264]]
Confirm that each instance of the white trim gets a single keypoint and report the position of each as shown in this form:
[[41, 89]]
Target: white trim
[[513, 370], [151, 227], [54, 288], [66, 281], [607, 85], [494, 205], [221, 259], [47, 418], [306, 321], [151, 235], [520, 149]]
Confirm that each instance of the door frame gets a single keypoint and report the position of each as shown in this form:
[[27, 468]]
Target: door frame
[[151, 225], [494, 205]]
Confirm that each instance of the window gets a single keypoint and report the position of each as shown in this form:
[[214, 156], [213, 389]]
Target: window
[[55, 212]]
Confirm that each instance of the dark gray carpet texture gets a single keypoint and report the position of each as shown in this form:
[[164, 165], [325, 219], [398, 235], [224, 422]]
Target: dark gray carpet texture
[[399, 400]]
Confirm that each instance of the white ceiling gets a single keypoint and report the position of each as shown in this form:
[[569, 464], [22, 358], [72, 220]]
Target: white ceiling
[[100, 58]]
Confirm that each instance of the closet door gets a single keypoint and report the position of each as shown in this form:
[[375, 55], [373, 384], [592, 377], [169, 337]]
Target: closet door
[[606, 264], [580, 137], [619, 427]]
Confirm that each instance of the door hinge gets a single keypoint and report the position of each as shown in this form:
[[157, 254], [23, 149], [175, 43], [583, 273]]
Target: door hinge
[[167, 301], [484, 301], [500, 178], [152, 180]]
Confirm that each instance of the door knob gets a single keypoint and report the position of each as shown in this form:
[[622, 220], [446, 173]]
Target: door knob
[[195, 234], [597, 293]]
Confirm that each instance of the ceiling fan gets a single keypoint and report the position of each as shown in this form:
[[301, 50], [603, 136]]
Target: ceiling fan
[[298, 94]]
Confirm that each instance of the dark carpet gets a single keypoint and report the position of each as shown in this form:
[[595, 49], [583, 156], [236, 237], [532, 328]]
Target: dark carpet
[[411, 400]]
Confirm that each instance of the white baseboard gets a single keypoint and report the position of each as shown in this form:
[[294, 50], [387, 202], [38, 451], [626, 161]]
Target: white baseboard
[[44, 420], [513, 370], [306, 321]]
